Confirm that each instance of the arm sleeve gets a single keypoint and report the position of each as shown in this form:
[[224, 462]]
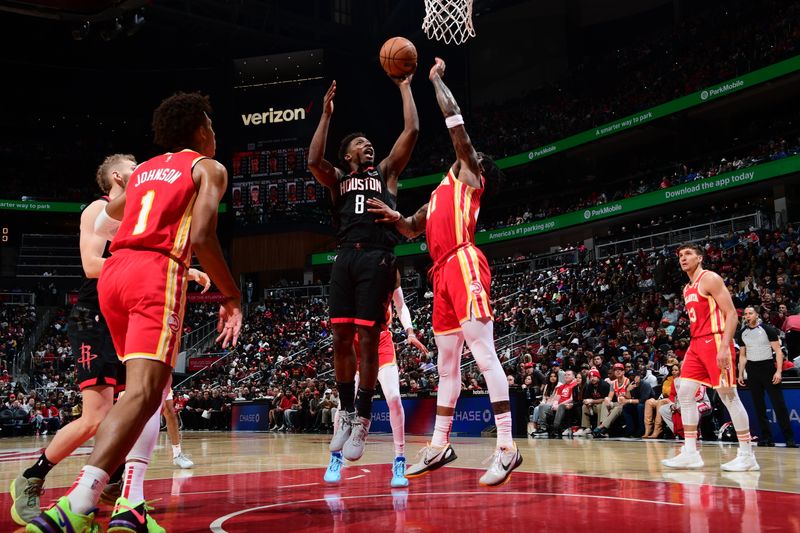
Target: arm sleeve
[[402, 309]]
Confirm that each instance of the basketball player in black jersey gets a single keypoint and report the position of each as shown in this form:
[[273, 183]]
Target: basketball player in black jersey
[[363, 275]]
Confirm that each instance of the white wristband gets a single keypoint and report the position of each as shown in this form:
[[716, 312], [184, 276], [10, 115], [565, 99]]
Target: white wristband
[[105, 226], [453, 121]]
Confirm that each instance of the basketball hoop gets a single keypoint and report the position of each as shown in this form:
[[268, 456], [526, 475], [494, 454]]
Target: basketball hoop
[[448, 20]]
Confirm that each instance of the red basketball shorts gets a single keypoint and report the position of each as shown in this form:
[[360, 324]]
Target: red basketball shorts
[[143, 297], [461, 290], [386, 353], [700, 363]]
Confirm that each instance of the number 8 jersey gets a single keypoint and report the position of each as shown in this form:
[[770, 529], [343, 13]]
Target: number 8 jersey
[[356, 224], [160, 196]]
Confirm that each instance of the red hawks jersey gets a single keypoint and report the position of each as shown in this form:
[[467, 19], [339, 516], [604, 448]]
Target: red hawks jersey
[[452, 216], [705, 317], [158, 209]]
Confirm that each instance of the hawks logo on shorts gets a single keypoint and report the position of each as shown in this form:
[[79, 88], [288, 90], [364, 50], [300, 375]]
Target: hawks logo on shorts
[[461, 276], [145, 314], [707, 325]]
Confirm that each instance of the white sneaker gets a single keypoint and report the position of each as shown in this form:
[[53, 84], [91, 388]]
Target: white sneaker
[[684, 459], [504, 461], [580, 433], [744, 462], [433, 457], [182, 461], [567, 432], [343, 431], [353, 449]]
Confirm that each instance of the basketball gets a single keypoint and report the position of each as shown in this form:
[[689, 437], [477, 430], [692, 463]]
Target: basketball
[[398, 57]]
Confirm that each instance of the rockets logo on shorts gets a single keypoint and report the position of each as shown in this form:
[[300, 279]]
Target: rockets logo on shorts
[[476, 287], [173, 322]]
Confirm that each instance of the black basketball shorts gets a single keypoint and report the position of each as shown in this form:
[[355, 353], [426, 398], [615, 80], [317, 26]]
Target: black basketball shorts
[[362, 283], [95, 358]]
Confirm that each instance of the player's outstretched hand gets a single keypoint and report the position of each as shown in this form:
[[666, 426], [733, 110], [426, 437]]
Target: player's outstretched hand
[[327, 102], [230, 322], [386, 214], [405, 80], [201, 278], [437, 69], [416, 343]]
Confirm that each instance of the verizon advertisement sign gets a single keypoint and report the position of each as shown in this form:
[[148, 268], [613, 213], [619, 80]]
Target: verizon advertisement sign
[[276, 116]]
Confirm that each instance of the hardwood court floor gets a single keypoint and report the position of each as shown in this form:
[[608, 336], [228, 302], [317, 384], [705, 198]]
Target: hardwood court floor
[[273, 482]]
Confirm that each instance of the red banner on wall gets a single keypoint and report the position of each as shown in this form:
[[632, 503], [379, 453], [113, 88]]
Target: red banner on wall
[[196, 297], [199, 363]]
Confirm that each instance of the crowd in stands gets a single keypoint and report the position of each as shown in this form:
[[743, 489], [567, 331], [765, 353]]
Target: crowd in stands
[[577, 317], [499, 217], [709, 46], [714, 45]]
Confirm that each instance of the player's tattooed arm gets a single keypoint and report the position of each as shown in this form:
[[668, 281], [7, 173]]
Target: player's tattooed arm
[[408, 226], [469, 170], [321, 168]]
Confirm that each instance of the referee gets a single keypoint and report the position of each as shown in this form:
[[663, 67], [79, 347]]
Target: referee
[[757, 341]]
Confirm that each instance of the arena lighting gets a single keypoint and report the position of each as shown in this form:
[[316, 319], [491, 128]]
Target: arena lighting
[[110, 33], [82, 32], [136, 24]]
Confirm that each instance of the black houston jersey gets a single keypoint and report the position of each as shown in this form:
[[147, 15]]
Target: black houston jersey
[[356, 224], [87, 294]]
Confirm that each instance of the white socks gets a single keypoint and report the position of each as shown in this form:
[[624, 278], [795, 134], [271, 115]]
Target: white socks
[[176, 450], [441, 431], [741, 422], [85, 492], [133, 488], [504, 436], [138, 458]]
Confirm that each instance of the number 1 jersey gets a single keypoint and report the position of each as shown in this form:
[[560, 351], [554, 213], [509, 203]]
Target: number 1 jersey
[[158, 208]]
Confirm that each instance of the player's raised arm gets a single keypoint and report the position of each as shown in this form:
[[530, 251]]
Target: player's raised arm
[[468, 166], [409, 226], [321, 168], [212, 179], [398, 158]]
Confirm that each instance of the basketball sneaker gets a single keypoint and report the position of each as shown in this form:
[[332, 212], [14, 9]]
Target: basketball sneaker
[[399, 473], [111, 493], [503, 462], [744, 462], [25, 499], [685, 459], [334, 472], [59, 518], [182, 461], [433, 457], [342, 432], [354, 447], [129, 519]]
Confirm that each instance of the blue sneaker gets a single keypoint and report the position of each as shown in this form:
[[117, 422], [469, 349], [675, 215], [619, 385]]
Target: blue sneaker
[[334, 472], [399, 472]]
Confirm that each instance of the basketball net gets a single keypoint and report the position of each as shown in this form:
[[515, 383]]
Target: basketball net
[[448, 20]]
